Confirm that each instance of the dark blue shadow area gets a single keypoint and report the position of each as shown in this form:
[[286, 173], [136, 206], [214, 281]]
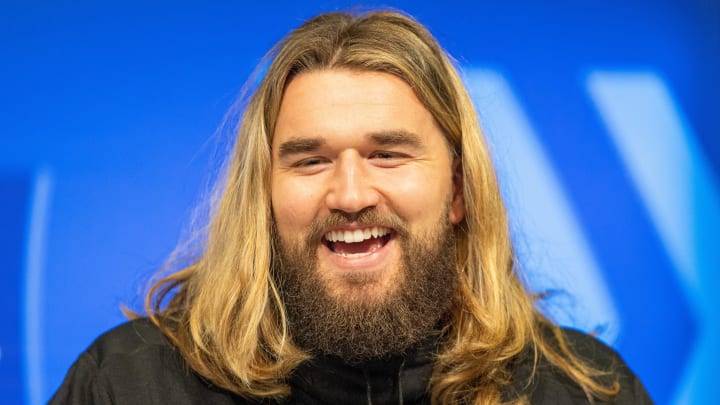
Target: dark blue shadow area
[[14, 207], [657, 320]]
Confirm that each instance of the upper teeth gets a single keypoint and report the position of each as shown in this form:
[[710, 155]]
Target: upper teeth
[[357, 235]]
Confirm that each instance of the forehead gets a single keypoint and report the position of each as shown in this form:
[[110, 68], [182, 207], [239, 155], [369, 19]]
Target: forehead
[[339, 104]]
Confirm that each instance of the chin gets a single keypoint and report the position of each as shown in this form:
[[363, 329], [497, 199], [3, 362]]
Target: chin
[[366, 289]]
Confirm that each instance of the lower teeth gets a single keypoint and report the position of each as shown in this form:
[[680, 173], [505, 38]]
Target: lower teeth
[[353, 254]]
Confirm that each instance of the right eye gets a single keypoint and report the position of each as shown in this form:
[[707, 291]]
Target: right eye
[[313, 161]]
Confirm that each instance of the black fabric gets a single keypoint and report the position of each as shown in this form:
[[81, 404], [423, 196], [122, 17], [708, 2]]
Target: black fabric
[[135, 364]]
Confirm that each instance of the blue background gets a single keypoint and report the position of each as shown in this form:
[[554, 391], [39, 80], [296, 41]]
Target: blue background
[[603, 116]]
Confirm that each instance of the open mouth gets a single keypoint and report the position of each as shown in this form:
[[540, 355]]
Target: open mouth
[[357, 242]]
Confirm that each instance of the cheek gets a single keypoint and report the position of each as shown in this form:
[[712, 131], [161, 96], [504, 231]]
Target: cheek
[[421, 195], [294, 207]]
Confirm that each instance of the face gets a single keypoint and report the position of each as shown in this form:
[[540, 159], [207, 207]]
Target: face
[[359, 166]]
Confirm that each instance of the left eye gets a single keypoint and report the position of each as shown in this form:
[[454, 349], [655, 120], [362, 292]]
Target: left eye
[[384, 155], [389, 159]]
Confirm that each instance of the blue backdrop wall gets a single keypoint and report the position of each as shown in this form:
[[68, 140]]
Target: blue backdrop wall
[[603, 117]]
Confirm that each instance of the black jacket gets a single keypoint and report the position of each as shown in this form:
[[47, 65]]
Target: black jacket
[[135, 364]]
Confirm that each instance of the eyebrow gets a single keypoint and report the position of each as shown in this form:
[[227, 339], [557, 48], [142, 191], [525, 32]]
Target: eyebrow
[[396, 137], [299, 145]]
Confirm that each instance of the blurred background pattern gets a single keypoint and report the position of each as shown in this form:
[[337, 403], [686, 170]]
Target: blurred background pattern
[[603, 117]]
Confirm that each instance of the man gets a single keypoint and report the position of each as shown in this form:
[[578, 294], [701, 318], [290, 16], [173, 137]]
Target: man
[[358, 253]]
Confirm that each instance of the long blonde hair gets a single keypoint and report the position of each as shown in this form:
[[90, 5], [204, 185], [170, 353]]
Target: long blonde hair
[[223, 311]]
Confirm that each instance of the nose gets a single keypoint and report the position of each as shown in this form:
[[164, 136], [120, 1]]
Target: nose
[[351, 189]]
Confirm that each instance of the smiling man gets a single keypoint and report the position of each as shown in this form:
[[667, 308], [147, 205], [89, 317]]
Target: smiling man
[[365, 190], [359, 253]]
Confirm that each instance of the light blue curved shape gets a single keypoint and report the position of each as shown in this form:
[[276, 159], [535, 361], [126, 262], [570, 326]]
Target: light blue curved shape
[[678, 188], [550, 242], [33, 288]]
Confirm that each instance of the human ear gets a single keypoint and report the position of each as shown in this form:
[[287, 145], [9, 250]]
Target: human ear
[[457, 204]]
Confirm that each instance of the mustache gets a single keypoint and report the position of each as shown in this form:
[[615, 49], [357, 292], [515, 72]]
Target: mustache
[[366, 217]]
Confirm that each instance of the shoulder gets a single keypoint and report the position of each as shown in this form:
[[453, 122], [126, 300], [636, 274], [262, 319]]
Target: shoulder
[[549, 385], [592, 350], [135, 363], [129, 340], [135, 348]]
